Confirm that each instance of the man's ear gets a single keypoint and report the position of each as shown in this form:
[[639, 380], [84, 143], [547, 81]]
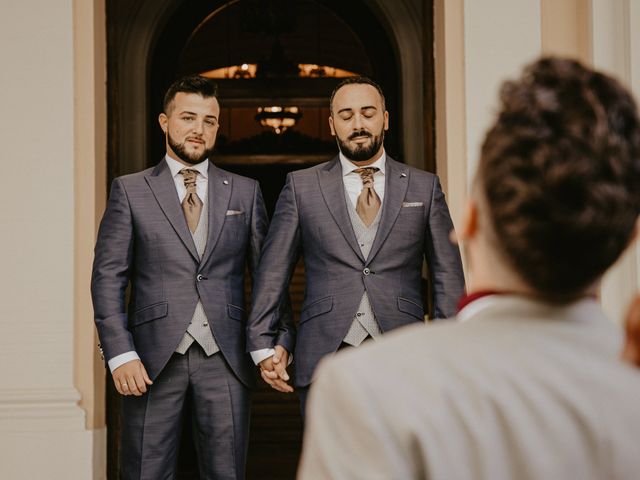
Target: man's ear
[[469, 220], [331, 127], [636, 229], [631, 350], [163, 120], [633, 238], [386, 120]]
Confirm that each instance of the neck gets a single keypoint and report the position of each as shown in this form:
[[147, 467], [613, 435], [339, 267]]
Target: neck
[[496, 279], [488, 271]]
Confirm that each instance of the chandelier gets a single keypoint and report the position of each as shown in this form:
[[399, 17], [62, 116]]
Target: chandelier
[[279, 118]]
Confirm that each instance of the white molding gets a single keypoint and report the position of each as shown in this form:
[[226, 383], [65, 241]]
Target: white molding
[[40, 410], [611, 31], [43, 435], [615, 51], [54, 454], [634, 45], [492, 55], [451, 114], [634, 81]]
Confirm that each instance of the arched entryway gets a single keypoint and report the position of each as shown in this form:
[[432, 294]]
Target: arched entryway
[[152, 42]]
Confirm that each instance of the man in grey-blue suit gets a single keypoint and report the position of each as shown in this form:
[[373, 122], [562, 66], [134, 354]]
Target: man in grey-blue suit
[[180, 234], [363, 223]]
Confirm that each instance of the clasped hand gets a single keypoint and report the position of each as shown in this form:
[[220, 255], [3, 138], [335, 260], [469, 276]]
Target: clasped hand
[[274, 370]]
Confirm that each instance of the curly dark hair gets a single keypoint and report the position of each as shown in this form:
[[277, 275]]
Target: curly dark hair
[[203, 86], [560, 174]]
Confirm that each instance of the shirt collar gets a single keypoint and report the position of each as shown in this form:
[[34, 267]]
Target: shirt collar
[[469, 298], [175, 166], [472, 303], [348, 166]]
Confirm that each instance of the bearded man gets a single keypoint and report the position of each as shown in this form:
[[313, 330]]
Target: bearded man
[[363, 223], [181, 234], [528, 383]]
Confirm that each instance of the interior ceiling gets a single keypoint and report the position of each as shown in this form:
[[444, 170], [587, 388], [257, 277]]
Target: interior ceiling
[[245, 32]]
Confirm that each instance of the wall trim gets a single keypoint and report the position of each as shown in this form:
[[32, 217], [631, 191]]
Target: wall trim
[[40, 410]]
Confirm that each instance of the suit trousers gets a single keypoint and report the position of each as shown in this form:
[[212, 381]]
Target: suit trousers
[[152, 423]]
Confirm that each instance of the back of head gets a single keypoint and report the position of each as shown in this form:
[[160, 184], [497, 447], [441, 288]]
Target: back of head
[[203, 86], [560, 175]]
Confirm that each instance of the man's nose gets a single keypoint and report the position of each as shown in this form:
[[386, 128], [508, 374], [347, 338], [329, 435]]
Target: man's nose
[[198, 126], [357, 122]]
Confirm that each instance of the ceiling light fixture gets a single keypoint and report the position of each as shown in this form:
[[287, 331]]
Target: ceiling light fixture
[[279, 118]]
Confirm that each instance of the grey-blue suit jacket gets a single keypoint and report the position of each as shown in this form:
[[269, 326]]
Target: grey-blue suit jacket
[[311, 219], [144, 240]]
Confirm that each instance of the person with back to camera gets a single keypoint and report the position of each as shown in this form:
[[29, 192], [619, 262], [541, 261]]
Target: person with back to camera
[[528, 383]]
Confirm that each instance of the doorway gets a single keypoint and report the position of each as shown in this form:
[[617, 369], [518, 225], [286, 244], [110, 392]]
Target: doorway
[[249, 46]]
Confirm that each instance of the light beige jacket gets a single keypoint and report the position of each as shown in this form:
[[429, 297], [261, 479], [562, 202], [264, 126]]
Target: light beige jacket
[[515, 390]]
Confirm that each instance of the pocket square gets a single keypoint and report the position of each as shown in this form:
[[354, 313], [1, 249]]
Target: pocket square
[[412, 204], [234, 212]]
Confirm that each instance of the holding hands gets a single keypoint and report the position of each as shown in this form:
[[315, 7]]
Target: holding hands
[[274, 370]]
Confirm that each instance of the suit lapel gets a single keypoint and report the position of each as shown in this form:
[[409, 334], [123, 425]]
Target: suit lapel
[[332, 188], [164, 189], [396, 184], [219, 195]]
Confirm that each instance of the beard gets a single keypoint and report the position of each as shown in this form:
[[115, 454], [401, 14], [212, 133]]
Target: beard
[[361, 153], [181, 151]]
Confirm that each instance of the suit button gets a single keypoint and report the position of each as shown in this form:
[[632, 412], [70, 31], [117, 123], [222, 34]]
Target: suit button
[[200, 277], [366, 271]]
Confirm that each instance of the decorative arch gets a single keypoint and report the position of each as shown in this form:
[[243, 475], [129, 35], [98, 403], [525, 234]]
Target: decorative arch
[[140, 36]]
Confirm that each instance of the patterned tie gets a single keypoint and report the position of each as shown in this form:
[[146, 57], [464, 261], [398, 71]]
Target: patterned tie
[[368, 202], [191, 205]]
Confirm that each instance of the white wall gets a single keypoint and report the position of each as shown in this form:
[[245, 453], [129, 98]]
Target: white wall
[[501, 36], [634, 55], [42, 430], [616, 50]]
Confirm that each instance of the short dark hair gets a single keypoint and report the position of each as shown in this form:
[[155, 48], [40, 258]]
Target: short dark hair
[[358, 80], [203, 86], [560, 175]]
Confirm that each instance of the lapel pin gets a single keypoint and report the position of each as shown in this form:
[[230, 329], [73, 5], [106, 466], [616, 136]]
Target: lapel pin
[[226, 182], [403, 175]]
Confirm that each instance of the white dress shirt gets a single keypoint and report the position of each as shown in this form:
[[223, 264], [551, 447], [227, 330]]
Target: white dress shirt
[[353, 181], [201, 188], [202, 180]]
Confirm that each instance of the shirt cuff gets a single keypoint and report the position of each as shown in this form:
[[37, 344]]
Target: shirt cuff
[[264, 353], [121, 359]]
